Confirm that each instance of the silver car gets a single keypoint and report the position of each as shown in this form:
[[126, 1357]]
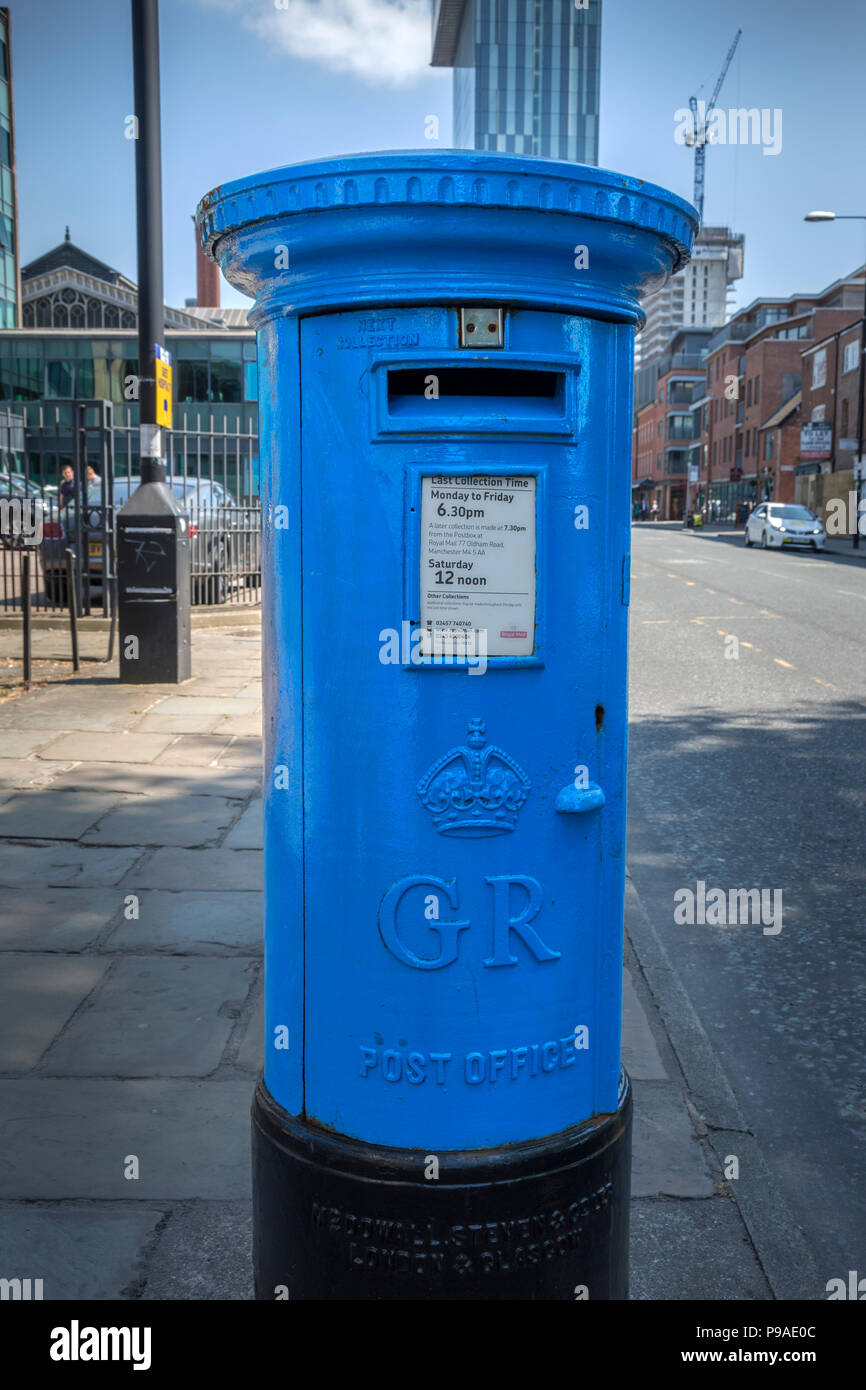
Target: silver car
[[774, 525]]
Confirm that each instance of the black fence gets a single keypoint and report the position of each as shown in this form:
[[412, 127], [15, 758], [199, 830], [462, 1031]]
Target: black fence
[[67, 469]]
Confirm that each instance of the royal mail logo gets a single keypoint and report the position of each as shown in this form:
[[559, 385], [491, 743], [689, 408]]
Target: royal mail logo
[[476, 789], [513, 633]]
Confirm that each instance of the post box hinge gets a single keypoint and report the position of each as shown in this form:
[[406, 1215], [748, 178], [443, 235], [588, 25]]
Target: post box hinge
[[481, 328]]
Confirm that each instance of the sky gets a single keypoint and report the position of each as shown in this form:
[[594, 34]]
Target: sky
[[253, 84]]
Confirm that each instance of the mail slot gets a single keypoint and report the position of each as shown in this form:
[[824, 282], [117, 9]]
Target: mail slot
[[443, 1113]]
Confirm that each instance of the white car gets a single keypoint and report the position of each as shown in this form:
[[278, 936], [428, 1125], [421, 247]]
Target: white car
[[784, 523]]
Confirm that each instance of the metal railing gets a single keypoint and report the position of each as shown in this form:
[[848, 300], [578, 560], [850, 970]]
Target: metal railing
[[212, 469]]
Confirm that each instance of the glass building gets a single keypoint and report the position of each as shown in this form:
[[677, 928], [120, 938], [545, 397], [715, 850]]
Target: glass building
[[79, 342], [526, 74], [78, 347], [10, 287]]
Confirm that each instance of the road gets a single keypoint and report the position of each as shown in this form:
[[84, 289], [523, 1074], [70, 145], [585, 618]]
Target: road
[[747, 769]]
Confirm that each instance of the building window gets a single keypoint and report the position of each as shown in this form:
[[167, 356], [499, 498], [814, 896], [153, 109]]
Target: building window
[[749, 392], [819, 369], [747, 443], [191, 371], [768, 445], [843, 427], [849, 358], [757, 389], [59, 380], [226, 376]]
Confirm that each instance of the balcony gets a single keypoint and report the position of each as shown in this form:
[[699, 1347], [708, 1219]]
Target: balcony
[[682, 427], [681, 394]]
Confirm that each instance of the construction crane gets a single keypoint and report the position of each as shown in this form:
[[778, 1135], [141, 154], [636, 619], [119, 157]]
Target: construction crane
[[698, 135]]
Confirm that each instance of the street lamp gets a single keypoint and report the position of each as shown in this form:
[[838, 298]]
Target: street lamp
[[822, 216]]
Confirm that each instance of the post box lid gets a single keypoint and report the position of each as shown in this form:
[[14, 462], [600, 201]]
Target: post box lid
[[422, 226]]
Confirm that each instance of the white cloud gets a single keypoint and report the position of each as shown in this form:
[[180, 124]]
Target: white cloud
[[386, 42]]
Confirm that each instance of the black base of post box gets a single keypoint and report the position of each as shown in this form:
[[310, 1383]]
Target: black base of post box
[[337, 1219]]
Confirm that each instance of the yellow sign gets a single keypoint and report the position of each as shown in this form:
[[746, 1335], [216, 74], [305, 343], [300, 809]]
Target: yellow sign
[[163, 377]]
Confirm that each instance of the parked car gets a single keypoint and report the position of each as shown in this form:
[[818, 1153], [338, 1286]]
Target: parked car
[[777, 524], [225, 539], [60, 532]]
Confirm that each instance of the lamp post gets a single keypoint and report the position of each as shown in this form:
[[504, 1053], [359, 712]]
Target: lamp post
[[822, 216]]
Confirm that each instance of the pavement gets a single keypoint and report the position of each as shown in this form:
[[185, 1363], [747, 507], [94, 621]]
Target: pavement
[[131, 1015]]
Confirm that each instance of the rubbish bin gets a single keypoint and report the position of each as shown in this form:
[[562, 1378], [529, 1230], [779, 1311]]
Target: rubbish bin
[[445, 369]]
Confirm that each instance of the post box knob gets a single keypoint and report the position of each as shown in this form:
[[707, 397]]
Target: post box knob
[[572, 799]]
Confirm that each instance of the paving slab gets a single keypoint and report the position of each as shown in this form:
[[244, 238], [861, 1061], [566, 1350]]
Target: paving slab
[[107, 747], [244, 751], [251, 1054], [19, 743], [157, 723], [72, 717], [155, 1016], [154, 820], [155, 778], [249, 831], [667, 1158], [92, 1251], [208, 704], [56, 865], [68, 1138], [55, 919], [204, 1251], [58, 815], [29, 772], [194, 749], [37, 995], [247, 725], [197, 923], [220, 687], [178, 868], [693, 1250], [640, 1055]]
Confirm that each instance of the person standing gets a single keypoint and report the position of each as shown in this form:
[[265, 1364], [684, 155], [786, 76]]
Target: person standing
[[67, 485]]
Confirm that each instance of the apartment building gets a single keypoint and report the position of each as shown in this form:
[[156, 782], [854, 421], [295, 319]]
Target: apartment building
[[667, 424], [754, 371]]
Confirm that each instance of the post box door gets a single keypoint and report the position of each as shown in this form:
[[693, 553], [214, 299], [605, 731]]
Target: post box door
[[463, 833]]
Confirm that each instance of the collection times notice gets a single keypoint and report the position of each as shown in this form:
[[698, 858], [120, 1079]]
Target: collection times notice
[[478, 564]]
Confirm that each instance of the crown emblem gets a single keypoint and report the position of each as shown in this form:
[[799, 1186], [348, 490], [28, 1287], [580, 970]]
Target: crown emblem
[[476, 789]]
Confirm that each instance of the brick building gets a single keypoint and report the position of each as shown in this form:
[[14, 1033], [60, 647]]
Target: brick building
[[831, 380], [666, 427], [754, 368]]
